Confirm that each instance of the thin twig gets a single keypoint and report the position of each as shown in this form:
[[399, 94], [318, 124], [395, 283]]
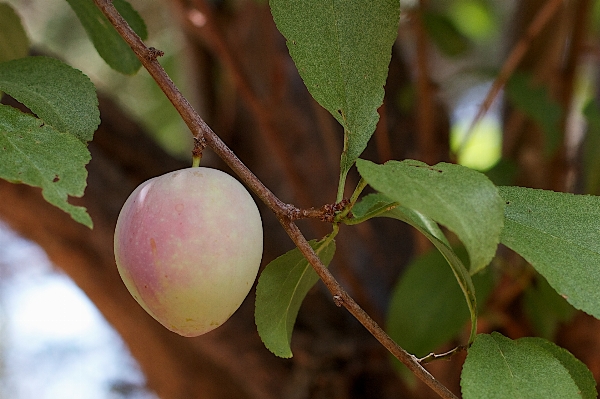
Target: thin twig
[[446, 355], [283, 211], [512, 62]]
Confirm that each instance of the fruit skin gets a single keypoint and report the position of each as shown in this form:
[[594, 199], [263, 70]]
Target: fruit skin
[[188, 245]]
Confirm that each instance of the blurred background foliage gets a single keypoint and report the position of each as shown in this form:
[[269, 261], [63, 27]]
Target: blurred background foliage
[[541, 130]]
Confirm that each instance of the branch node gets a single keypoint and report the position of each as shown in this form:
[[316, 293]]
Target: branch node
[[338, 300], [199, 146], [326, 213], [293, 213], [447, 355], [154, 53]]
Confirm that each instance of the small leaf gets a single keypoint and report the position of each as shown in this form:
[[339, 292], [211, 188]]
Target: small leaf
[[34, 153], [58, 94], [559, 234], [281, 288], [536, 103], [445, 34], [109, 44], [498, 367], [342, 50], [13, 39], [427, 308], [545, 308], [461, 199]]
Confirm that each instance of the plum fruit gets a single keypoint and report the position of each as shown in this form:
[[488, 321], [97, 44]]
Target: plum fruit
[[188, 245]]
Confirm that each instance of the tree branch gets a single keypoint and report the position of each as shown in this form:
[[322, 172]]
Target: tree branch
[[284, 212], [512, 62]]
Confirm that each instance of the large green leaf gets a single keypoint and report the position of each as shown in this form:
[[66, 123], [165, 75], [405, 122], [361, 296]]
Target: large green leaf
[[60, 95], [536, 103], [463, 200], [559, 234], [342, 50], [281, 289], [36, 154], [498, 367], [109, 44], [13, 39]]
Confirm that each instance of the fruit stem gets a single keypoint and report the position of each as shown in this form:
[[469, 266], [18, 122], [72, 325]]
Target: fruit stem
[[196, 161], [199, 146]]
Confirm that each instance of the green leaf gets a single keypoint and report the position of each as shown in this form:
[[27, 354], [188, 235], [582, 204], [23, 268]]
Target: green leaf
[[559, 234], [342, 50], [36, 154], [281, 289], [370, 206], [109, 44], [582, 376], [427, 308], [498, 367], [444, 34], [536, 103], [463, 200], [379, 205], [60, 95], [545, 308], [13, 39]]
